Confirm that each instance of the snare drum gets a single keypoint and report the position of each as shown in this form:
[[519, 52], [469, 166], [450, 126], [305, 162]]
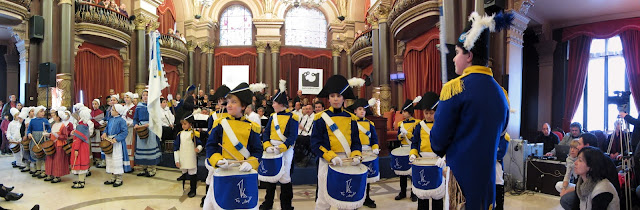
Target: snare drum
[[106, 147], [400, 161], [346, 185], [49, 148], [373, 168], [427, 180], [37, 151], [233, 189], [143, 132], [270, 168], [15, 147]]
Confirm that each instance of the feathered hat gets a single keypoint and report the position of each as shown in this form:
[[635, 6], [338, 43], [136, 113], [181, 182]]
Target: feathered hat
[[361, 102], [475, 37], [281, 97], [356, 82], [221, 92], [242, 92], [337, 84], [429, 101], [408, 104]]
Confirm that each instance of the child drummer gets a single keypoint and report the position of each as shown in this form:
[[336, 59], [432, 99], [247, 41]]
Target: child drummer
[[116, 133], [14, 138], [281, 132], [368, 139], [326, 137], [405, 133], [245, 146], [80, 152], [185, 152], [37, 129], [421, 145], [57, 165]]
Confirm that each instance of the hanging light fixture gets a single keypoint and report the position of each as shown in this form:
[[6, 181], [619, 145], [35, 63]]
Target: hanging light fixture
[[297, 3], [200, 5]]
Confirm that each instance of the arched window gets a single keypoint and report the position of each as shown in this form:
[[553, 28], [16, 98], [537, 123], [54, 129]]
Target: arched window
[[306, 27], [236, 26]]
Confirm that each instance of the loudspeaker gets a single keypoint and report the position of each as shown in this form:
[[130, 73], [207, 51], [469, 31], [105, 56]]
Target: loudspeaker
[[494, 6], [47, 74], [36, 27]]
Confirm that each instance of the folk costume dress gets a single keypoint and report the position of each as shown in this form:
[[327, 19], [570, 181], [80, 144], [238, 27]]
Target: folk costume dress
[[147, 151], [14, 137], [81, 163], [118, 160], [97, 117], [57, 165], [36, 128], [131, 136]]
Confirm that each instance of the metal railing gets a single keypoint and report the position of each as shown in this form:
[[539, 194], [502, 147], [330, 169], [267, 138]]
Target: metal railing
[[401, 6], [172, 42], [92, 13], [362, 41]]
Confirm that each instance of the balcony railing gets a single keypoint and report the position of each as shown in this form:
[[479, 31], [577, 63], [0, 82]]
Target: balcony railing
[[96, 14], [362, 41], [172, 42], [25, 3], [401, 6]]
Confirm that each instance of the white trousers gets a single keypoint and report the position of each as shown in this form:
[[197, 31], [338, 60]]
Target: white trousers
[[192, 171], [18, 156], [114, 161]]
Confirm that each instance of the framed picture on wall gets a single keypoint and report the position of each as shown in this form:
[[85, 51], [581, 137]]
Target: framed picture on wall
[[233, 75], [310, 80]]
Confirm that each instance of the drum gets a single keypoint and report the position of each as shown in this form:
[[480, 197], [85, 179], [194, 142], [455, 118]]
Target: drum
[[49, 148], [95, 131], [346, 184], [106, 147], [233, 189], [15, 147], [373, 168], [143, 132], [67, 147], [400, 161], [102, 127], [427, 179], [37, 150], [25, 143], [270, 169]]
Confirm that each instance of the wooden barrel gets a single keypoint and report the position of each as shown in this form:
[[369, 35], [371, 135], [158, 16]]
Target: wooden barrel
[[67, 147], [106, 147], [143, 132], [37, 150], [48, 147], [15, 148]]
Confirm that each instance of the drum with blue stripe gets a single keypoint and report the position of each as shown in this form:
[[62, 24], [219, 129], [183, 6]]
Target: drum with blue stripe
[[347, 183], [234, 189], [427, 179], [400, 161], [270, 168], [373, 168]]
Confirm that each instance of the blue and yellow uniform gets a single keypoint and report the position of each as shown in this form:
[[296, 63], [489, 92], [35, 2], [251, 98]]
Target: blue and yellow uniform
[[325, 144], [471, 115], [218, 114], [288, 122], [421, 141], [248, 134], [409, 125], [364, 138]]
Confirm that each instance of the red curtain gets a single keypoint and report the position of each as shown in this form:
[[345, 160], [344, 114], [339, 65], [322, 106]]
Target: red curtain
[[166, 19], [631, 51], [601, 30], [577, 74], [422, 67], [291, 59], [235, 56], [173, 77], [97, 69]]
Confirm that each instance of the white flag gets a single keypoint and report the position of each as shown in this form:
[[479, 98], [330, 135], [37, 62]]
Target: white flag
[[157, 82]]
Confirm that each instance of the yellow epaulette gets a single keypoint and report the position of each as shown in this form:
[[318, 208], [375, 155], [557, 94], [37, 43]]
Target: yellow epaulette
[[217, 122], [255, 127], [295, 117], [506, 95], [507, 137], [374, 125], [196, 134], [452, 88], [318, 115], [353, 116]]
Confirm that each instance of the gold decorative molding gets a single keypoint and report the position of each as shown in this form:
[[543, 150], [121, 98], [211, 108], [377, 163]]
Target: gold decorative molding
[[69, 2], [385, 98], [42, 96], [172, 42], [275, 46], [382, 13], [153, 25], [402, 19], [261, 46], [336, 50], [64, 82], [15, 11], [89, 13], [141, 21], [207, 47], [191, 46], [361, 42], [362, 55], [140, 87], [104, 32]]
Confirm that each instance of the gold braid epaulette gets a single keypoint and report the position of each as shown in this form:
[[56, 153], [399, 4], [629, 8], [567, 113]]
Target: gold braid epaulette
[[452, 88]]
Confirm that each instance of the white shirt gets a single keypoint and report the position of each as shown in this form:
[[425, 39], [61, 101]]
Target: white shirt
[[13, 131], [254, 117], [168, 119], [306, 122]]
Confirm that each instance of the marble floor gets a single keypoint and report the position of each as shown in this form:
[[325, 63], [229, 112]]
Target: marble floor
[[163, 192]]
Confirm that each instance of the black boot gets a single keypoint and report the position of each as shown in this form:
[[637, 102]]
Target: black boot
[[499, 197], [403, 188], [286, 196], [205, 195], [268, 197], [182, 177], [11, 196], [414, 198], [423, 204], [367, 201], [193, 183]]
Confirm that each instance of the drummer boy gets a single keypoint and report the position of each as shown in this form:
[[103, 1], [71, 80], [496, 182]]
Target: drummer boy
[[368, 139], [38, 127], [326, 137], [421, 144], [405, 133]]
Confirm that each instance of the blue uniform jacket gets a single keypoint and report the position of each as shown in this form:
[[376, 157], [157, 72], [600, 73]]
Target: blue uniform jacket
[[320, 134], [141, 114], [290, 131]]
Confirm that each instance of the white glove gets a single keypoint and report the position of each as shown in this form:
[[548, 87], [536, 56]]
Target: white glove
[[356, 160], [404, 131], [270, 149], [245, 167], [224, 163], [336, 161], [441, 162], [376, 151], [412, 158], [274, 150]]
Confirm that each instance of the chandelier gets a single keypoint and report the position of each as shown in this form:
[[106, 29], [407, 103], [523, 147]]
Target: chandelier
[[297, 3], [200, 5]]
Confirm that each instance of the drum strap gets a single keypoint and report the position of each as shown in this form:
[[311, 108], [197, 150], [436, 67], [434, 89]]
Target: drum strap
[[234, 139], [336, 132], [402, 128], [364, 130], [425, 128], [215, 116], [276, 125]]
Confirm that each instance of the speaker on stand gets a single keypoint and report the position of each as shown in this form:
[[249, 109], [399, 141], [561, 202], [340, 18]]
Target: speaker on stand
[[47, 76]]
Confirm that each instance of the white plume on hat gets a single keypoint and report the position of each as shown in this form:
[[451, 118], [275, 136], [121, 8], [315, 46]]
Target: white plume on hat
[[356, 82], [372, 102], [14, 111], [169, 97], [283, 86], [417, 99], [257, 87], [478, 24]]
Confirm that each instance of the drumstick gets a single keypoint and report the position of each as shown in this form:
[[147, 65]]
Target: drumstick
[[74, 162], [225, 149]]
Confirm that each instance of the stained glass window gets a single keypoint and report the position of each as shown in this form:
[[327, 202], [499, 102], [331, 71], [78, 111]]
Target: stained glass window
[[306, 27], [236, 26]]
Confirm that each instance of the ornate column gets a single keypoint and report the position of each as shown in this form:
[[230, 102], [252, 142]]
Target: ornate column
[[181, 85], [46, 48], [65, 76], [335, 52], [514, 69], [141, 58], [261, 48], [375, 47], [349, 62], [191, 47], [399, 59], [382, 12], [208, 48], [275, 54]]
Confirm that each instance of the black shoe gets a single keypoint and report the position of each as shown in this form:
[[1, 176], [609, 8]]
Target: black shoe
[[78, 185], [144, 173], [35, 174], [118, 183], [401, 196], [25, 170], [369, 203], [202, 201], [109, 182], [89, 174], [414, 198], [11, 196], [182, 177], [32, 172], [151, 174], [8, 189], [49, 178], [56, 180], [42, 176], [265, 206]]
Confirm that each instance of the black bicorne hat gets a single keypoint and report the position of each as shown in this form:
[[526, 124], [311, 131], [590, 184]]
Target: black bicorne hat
[[221, 92], [337, 84], [429, 101], [243, 93]]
